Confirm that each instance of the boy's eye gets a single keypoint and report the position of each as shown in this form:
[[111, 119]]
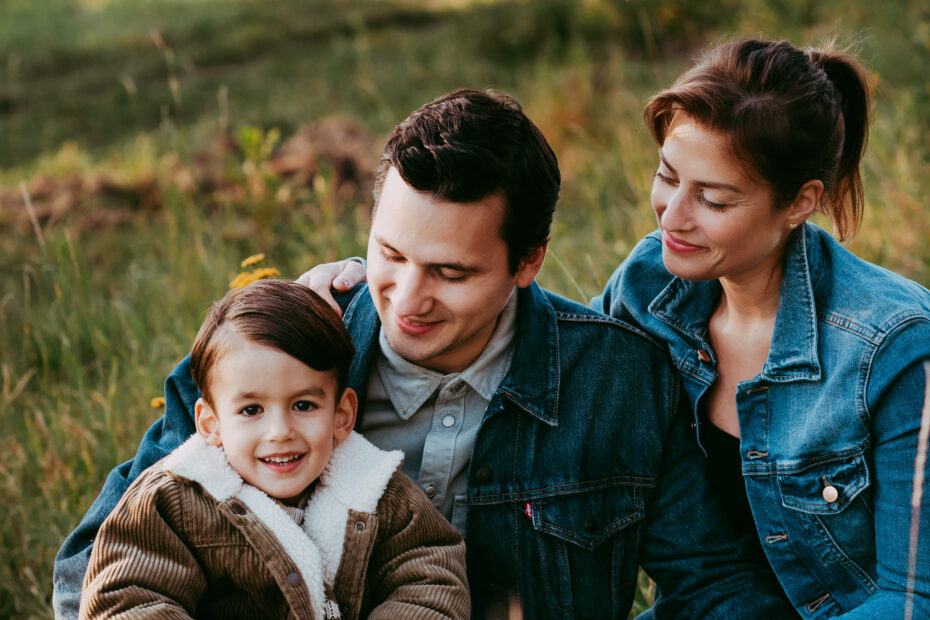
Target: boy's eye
[[304, 405], [250, 410]]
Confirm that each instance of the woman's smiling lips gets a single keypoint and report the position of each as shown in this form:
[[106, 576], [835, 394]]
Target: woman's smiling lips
[[282, 463], [677, 245], [412, 327]]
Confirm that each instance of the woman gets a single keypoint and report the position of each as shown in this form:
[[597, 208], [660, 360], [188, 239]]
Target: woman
[[804, 364]]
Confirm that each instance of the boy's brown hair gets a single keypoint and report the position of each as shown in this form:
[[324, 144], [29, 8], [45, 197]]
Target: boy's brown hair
[[282, 315]]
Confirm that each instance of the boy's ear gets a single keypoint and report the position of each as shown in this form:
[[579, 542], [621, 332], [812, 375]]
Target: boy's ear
[[207, 422], [344, 418]]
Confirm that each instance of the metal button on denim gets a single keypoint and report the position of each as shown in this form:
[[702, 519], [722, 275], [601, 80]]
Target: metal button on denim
[[430, 491], [703, 355], [830, 494], [590, 525]]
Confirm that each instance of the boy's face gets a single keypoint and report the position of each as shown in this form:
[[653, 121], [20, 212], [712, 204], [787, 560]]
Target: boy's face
[[275, 417]]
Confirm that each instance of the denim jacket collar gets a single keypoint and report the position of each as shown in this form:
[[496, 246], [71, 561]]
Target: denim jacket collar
[[686, 306], [533, 380]]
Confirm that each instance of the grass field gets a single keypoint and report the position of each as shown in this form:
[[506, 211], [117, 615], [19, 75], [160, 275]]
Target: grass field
[[146, 135]]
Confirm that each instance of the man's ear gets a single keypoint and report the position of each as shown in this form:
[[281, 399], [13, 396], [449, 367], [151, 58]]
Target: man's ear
[[530, 266], [804, 203], [207, 422], [344, 417]]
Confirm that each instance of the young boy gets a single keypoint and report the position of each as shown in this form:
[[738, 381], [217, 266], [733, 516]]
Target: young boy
[[276, 508]]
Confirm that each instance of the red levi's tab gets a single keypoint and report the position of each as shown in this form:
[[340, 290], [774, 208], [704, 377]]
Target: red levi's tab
[[528, 509]]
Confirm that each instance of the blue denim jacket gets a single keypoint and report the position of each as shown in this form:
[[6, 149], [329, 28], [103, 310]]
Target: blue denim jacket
[[584, 468], [837, 404]]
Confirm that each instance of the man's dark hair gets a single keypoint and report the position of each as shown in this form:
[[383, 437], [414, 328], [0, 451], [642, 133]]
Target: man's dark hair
[[282, 315], [467, 145]]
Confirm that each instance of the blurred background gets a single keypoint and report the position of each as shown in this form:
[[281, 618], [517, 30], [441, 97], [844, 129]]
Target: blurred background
[[149, 146]]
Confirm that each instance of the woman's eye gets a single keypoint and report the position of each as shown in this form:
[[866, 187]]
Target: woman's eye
[[304, 405], [250, 410], [715, 206], [665, 178]]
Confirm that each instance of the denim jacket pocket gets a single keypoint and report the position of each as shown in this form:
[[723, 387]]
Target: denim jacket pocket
[[825, 486], [577, 535], [831, 513]]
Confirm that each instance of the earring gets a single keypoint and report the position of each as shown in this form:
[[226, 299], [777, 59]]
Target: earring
[[792, 226]]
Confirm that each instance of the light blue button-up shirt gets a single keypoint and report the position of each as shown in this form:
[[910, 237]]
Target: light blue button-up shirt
[[434, 418]]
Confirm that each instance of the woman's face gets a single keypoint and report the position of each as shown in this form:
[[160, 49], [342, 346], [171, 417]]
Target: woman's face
[[716, 221]]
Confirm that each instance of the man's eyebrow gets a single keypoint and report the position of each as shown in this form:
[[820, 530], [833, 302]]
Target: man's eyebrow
[[709, 184], [460, 267]]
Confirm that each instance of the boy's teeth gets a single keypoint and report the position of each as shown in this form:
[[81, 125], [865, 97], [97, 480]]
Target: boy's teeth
[[281, 459]]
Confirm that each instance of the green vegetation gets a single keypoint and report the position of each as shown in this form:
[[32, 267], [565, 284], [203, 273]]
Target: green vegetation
[[146, 133]]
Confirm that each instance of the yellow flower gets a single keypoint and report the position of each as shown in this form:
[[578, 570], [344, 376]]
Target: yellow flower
[[157, 403], [253, 260], [247, 277], [265, 272]]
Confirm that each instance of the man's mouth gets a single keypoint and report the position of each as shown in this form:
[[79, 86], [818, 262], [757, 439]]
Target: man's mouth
[[414, 327]]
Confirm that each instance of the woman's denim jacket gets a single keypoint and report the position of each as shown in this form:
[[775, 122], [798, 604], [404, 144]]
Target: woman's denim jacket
[[828, 429], [583, 469]]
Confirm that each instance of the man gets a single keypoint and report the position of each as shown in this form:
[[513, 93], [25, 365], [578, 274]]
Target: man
[[554, 437]]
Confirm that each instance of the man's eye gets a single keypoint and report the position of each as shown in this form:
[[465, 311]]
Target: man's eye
[[250, 410], [304, 405], [451, 276]]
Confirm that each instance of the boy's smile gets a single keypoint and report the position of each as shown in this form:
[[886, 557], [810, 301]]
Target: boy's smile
[[276, 418]]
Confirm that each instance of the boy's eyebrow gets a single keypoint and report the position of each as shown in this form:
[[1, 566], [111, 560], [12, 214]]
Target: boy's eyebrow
[[453, 266], [308, 391]]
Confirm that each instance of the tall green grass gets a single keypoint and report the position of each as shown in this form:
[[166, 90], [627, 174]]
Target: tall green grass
[[93, 319]]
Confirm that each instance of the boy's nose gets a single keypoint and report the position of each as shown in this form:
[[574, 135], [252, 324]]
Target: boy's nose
[[279, 427]]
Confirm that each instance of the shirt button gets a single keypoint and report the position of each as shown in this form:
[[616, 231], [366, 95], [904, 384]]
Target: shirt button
[[830, 494], [430, 491], [703, 355], [293, 579], [448, 420]]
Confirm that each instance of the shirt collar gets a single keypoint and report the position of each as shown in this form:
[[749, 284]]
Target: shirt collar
[[409, 386], [532, 382]]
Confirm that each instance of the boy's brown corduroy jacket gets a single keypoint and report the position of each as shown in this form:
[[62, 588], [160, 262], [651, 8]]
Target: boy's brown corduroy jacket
[[190, 538]]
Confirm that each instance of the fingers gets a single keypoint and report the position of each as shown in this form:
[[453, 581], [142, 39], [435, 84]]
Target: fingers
[[352, 273], [319, 280]]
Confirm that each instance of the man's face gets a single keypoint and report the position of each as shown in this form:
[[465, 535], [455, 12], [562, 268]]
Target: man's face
[[439, 275]]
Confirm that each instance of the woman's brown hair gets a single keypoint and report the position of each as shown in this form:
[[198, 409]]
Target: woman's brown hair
[[790, 115]]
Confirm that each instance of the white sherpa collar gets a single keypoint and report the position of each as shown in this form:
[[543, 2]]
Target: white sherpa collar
[[354, 479]]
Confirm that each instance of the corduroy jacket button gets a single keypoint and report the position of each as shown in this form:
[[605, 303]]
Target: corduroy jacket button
[[293, 579], [238, 509], [360, 526]]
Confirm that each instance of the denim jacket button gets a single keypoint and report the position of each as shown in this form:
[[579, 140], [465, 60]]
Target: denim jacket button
[[830, 494], [484, 475], [703, 355], [590, 525]]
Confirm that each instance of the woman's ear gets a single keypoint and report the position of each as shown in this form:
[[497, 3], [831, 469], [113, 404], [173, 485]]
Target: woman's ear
[[207, 422], [344, 417], [804, 203]]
